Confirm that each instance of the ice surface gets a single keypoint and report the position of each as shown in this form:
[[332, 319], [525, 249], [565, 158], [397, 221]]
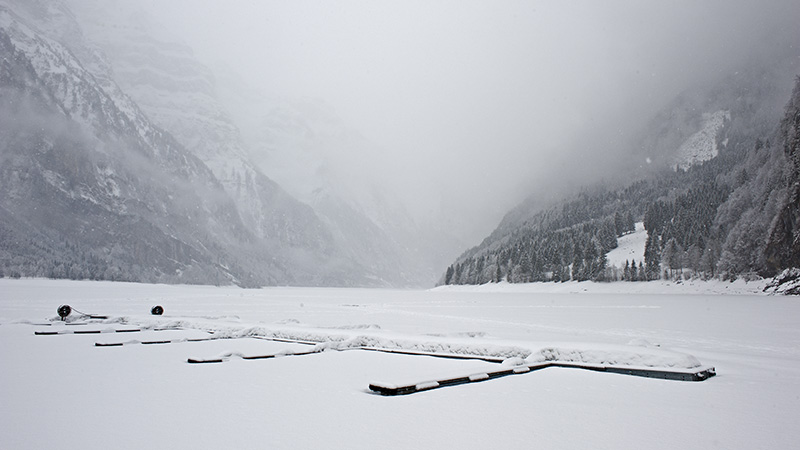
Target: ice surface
[[62, 392]]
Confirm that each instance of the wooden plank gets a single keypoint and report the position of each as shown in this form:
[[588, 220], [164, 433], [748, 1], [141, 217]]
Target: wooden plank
[[63, 332], [700, 374]]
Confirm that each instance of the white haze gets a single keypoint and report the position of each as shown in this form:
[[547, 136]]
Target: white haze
[[477, 103]]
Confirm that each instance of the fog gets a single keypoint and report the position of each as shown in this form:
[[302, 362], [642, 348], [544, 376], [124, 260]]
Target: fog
[[477, 104]]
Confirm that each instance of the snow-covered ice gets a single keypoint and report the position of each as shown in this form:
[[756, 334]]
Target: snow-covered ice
[[63, 392]]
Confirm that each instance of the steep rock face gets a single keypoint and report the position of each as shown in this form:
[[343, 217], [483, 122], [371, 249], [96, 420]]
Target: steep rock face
[[90, 187], [178, 93]]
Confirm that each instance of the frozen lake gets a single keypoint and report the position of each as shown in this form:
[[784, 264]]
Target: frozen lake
[[64, 392]]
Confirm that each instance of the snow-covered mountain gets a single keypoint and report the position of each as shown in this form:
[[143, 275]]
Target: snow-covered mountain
[[345, 229], [318, 158], [728, 212], [91, 188], [300, 145], [178, 94]]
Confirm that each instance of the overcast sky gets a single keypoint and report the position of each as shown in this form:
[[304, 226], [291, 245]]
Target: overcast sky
[[478, 98]]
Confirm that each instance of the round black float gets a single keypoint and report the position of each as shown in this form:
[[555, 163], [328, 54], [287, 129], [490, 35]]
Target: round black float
[[157, 310], [63, 311]]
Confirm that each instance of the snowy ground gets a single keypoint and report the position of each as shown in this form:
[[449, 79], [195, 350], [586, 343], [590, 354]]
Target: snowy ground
[[630, 247], [63, 392]]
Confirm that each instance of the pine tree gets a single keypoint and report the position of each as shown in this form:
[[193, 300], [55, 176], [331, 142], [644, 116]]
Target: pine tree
[[577, 263], [619, 223], [672, 256], [600, 266], [630, 225], [693, 255], [708, 262], [652, 256]]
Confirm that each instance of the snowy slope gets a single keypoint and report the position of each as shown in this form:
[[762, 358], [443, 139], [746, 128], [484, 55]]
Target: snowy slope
[[630, 247], [63, 392]]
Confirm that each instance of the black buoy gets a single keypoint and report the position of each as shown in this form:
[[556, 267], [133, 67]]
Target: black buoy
[[157, 310], [63, 311]]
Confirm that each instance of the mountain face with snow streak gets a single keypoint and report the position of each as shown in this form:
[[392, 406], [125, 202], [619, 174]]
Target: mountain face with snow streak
[[703, 145], [701, 121]]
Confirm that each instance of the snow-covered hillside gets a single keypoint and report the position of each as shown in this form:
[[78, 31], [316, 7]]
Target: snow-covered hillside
[[63, 391], [630, 247]]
